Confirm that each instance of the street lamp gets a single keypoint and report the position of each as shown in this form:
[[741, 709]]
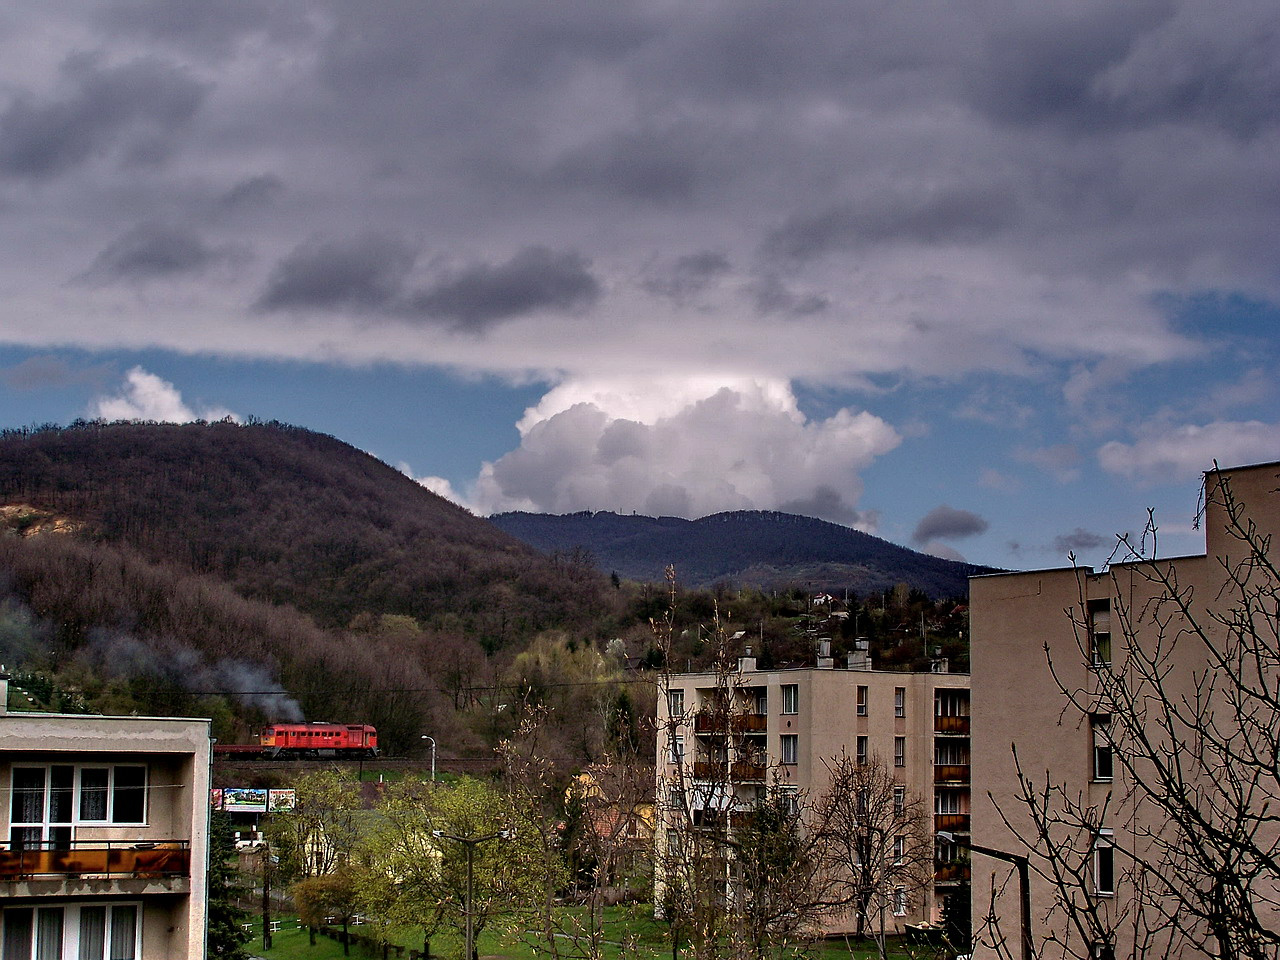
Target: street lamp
[[470, 844], [433, 756], [1024, 882]]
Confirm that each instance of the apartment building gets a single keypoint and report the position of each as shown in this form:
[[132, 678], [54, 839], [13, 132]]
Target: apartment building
[[783, 724], [107, 830], [1084, 683]]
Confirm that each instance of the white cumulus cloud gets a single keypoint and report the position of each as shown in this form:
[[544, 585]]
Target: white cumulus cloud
[[145, 396], [684, 447], [1186, 450]]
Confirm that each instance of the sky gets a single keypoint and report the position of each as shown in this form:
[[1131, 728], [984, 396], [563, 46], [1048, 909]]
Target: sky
[[987, 279]]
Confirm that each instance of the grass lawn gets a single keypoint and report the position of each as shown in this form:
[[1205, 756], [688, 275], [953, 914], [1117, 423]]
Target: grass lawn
[[645, 939]]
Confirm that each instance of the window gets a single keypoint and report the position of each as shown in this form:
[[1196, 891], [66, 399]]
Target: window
[[790, 747], [675, 703], [899, 701], [1100, 729], [862, 700], [948, 801], [87, 932], [899, 799], [791, 799], [899, 901], [677, 749], [1103, 950], [1104, 864], [113, 794], [899, 850], [762, 702], [790, 698], [862, 751], [1100, 631], [899, 751]]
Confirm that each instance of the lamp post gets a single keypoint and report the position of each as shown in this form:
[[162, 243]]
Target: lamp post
[[433, 756], [469, 844], [1024, 882]]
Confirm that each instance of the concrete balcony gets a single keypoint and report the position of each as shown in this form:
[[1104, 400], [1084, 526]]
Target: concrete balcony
[[954, 726], [951, 773]]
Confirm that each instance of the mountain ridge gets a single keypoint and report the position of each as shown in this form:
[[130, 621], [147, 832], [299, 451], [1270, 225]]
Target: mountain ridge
[[762, 548]]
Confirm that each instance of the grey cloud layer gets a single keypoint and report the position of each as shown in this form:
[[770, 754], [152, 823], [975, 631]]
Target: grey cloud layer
[[828, 191]]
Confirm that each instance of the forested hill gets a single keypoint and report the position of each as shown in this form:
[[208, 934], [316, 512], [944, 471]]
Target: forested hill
[[284, 515], [748, 547]]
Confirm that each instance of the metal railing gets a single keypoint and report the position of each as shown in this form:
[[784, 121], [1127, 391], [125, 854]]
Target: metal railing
[[110, 858]]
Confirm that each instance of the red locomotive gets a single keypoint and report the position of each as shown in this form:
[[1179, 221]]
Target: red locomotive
[[308, 741]]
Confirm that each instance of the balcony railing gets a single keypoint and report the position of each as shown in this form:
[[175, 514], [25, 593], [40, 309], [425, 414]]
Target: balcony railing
[[718, 723], [110, 858], [951, 822], [958, 725], [739, 771], [951, 873], [951, 773]]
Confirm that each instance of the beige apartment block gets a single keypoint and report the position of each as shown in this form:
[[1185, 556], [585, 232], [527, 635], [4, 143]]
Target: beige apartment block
[[106, 843], [787, 723], [1043, 638]]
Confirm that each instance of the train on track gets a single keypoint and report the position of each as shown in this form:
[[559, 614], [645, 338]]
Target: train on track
[[306, 741]]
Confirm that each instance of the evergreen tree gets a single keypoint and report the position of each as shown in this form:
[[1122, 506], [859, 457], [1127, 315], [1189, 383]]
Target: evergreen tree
[[226, 935]]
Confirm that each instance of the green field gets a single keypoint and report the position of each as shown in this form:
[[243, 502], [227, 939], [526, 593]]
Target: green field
[[630, 933]]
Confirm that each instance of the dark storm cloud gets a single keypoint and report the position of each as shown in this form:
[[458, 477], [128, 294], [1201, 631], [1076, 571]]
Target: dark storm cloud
[[252, 193], [151, 251], [825, 504], [688, 276], [46, 371], [658, 166], [772, 295], [950, 216], [534, 279], [134, 107], [1078, 541], [947, 523], [208, 29], [366, 272]]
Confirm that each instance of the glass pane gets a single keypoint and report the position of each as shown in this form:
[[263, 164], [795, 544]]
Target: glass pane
[[49, 933], [93, 932], [17, 934], [28, 795], [124, 932], [93, 793], [61, 791], [129, 800]]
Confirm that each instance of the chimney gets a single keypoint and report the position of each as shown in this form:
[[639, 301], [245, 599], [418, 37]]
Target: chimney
[[825, 661], [860, 658]]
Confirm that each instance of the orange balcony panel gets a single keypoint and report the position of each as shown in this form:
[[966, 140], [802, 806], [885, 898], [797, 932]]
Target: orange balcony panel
[[951, 822], [165, 858], [958, 725], [951, 773]]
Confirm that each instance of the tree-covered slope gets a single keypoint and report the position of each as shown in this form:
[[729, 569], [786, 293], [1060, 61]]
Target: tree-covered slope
[[289, 516], [752, 547]]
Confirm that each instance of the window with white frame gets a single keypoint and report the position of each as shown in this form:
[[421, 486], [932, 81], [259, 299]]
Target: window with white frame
[[1100, 730], [790, 798], [899, 901], [899, 701], [1100, 631], [84, 931], [47, 802], [899, 850], [899, 751], [677, 749], [790, 698], [790, 748], [675, 703], [949, 801], [1104, 863], [861, 754], [862, 700], [899, 798]]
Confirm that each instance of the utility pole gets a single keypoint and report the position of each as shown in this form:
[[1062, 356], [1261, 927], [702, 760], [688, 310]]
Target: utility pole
[[1023, 866], [469, 844]]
